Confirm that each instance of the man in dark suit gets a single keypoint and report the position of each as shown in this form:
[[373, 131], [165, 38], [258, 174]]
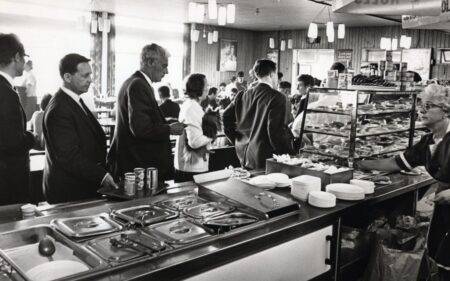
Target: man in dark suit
[[254, 122], [15, 141], [169, 109], [75, 166], [141, 138]]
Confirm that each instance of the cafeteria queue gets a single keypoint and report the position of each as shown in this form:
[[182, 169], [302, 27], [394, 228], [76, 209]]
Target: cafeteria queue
[[78, 162]]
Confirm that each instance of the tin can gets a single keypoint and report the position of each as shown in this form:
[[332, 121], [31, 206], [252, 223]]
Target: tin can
[[130, 184], [152, 178], [140, 173]]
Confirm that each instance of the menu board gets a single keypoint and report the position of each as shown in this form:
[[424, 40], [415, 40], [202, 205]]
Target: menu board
[[344, 56], [419, 60]]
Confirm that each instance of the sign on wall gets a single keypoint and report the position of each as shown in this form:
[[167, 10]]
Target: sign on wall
[[344, 56], [228, 55]]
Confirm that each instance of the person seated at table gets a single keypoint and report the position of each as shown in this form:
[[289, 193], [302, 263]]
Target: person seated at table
[[35, 123], [192, 147], [210, 100], [169, 109], [433, 152]]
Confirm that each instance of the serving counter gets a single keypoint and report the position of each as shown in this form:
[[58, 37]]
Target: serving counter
[[300, 245]]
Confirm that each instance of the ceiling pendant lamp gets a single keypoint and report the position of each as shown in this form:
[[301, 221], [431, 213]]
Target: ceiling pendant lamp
[[408, 42], [192, 12], [330, 31], [405, 42], [222, 16], [271, 43], [215, 36], [313, 30], [212, 9], [210, 38], [290, 44], [341, 31], [200, 13], [283, 45], [231, 13]]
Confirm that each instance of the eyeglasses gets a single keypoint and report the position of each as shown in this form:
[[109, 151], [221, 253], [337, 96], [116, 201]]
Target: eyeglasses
[[427, 106]]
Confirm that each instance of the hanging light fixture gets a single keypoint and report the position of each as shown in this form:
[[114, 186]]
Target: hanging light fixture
[[192, 12], [222, 16], [200, 13], [271, 43], [290, 43], [210, 38], [215, 36], [194, 35], [212, 9], [313, 30], [231, 13], [394, 44], [341, 31], [283, 45], [330, 31], [405, 42]]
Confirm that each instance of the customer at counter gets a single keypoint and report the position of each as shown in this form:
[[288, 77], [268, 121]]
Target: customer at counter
[[210, 100], [75, 166], [299, 103], [254, 121], [15, 141], [192, 147], [36, 123], [141, 138], [433, 152], [285, 88], [169, 109]]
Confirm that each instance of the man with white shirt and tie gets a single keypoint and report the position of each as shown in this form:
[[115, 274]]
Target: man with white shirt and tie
[[15, 141], [75, 165]]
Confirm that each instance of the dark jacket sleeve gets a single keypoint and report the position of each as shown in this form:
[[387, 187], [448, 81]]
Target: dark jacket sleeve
[[143, 112], [279, 136], [229, 122], [13, 137], [64, 142]]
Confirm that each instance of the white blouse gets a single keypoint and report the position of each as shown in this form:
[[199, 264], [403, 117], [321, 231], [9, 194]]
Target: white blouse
[[191, 114]]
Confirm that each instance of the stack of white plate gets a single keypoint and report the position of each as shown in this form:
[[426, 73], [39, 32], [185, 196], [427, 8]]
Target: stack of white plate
[[262, 182], [302, 185], [321, 199], [346, 191], [280, 179], [368, 186]]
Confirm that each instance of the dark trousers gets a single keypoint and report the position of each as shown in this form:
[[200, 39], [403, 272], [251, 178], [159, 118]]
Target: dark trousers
[[444, 275], [181, 176], [14, 180]]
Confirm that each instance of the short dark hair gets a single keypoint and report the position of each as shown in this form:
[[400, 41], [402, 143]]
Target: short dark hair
[[307, 79], [338, 66], [233, 78], [285, 85], [70, 62], [195, 84], [264, 67], [234, 90], [45, 100], [240, 74], [417, 77], [280, 75], [212, 91], [222, 84], [164, 92], [10, 45]]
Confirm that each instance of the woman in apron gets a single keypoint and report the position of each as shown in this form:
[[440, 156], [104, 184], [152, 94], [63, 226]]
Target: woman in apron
[[433, 152]]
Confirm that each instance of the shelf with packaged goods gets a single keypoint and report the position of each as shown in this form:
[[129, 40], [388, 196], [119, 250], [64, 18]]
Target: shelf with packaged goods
[[337, 134], [370, 90], [357, 104], [346, 156]]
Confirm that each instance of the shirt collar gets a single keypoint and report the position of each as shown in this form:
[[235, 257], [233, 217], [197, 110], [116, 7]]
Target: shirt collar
[[71, 94], [261, 82], [8, 78], [149, 81]]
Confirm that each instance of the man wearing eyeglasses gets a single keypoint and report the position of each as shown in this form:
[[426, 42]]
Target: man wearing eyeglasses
[[15, 141]]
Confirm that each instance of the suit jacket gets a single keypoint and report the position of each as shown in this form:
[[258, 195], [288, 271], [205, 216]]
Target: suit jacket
[[170, 109], [15, 142], [75, 151], [141, 138], [254, 122]]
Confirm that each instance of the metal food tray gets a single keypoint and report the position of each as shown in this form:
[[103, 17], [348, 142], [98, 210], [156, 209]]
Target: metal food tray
[[210, 209], [232, 220], [80, 227], [181, 202], [180, 231], [138, 214]]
